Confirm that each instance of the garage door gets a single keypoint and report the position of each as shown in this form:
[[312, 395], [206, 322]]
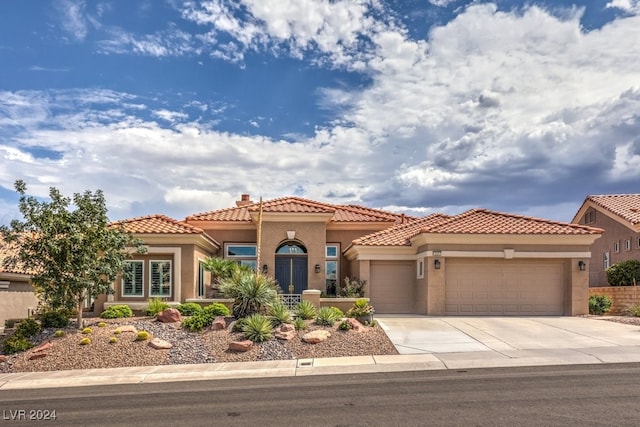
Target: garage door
[[504, 287], [392, 286]]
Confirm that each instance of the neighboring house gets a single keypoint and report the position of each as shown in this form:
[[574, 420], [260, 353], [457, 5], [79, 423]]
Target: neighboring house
[[17, 297], [619, 216], [477, 263]]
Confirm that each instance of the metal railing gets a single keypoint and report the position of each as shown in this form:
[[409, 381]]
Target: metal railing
[[291, 300]]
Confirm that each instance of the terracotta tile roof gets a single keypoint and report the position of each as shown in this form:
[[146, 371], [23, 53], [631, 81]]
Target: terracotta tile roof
[[10, 250], [341, 213], [156, 224], [626, 206], [483, 221], [401, 234]]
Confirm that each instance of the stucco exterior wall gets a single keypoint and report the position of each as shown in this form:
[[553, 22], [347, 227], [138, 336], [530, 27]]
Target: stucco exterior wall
[[16, 300]]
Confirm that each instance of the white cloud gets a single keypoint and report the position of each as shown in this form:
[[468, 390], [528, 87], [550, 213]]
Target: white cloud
[[170, 116], [73, 19], [631, 6]]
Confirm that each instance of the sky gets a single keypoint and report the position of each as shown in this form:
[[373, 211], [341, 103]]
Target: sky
[[415, 106]]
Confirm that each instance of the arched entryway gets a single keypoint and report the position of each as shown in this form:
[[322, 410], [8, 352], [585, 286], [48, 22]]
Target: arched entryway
[[291, 267]]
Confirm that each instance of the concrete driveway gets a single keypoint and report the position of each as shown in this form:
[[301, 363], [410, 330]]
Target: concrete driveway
[[497, 341]]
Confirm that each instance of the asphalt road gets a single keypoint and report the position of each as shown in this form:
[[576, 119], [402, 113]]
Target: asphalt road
[[594, 395]]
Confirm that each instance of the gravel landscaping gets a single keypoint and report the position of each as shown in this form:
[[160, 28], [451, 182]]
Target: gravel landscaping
[[188, 347]]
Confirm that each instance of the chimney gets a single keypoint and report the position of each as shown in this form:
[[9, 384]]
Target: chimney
[[245, 199]]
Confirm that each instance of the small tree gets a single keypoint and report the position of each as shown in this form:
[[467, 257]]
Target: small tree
[[71, 255], [624, 273]]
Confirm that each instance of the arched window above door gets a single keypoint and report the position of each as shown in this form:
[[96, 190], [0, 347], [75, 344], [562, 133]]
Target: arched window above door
[[291, 248]]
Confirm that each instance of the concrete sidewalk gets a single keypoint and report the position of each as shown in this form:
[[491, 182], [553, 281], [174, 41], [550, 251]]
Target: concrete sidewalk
[[425, 343]]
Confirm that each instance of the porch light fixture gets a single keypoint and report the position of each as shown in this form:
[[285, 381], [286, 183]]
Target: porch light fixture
[[436, 264], [317, 268], [265, 268], [582, 265]]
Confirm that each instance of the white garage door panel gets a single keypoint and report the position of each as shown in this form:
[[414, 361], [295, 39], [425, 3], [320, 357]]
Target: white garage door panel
[[504, 287], [392, 287]]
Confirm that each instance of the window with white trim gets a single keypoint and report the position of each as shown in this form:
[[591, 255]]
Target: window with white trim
[[627, 245], [638, 243], [133, 279], [160, 284], [331, 269], [420, 268], [242, 253], [607, 261], [616, 247], [201, 287]]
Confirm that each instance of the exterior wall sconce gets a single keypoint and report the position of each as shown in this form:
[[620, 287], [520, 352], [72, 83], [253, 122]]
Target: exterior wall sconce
[[436, 264], [317, 268], [582, 265], [265, 269]]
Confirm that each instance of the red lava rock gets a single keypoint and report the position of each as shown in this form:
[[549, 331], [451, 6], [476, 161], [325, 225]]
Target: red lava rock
[[169, 315], [285, 332], [241, 346], [356, 326], [3, 358]]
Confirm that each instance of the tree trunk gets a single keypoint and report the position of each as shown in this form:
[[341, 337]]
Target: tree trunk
[[79, 308]]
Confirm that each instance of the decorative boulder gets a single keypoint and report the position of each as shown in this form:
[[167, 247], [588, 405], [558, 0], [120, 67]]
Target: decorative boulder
[[219, 323], [285, 332], [355, 325], [3, 358], [241, 346], [40, 355], [314, 337], [128, 328], [169, 315], [160, 344], [43, 347]]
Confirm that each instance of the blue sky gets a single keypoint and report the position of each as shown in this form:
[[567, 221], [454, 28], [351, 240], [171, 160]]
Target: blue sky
[[418, 106]]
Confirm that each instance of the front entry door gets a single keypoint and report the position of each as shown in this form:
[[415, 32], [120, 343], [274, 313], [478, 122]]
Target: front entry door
[[292, 270]]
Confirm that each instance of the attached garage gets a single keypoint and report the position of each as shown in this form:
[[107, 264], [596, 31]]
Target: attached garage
[[504, 287], [391, 289]]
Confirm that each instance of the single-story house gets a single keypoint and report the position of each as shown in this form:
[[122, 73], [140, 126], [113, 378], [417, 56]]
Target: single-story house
[[477, 263], [619, 216], [17, 297]]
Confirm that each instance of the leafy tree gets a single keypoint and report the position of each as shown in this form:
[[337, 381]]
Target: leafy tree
[[70, 254], [625, 273]]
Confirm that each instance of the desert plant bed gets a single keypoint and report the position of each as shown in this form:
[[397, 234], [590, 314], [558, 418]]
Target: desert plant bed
[[207, 346]]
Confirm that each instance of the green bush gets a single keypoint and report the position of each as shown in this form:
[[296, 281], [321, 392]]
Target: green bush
[[189, 308], [117, 312], [205, 317], [143, 336], [155, 306], [345, 325], [278, 313], [54, 319], [10, 323], [257, 328], [87, 331], [352, 287], [251, 292], [102, 325], [113, 340], [305, 310], [117, 331], [327, 316], [28, 328], [59, 333], [624, 273], [300, 324], [599, 304], [85, 341], [360, 308], [15, 344]]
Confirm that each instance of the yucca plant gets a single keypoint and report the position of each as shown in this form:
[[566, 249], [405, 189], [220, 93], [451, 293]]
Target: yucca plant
[[327, 316], [278, 313], [156, 305], [305, 310], [252, 293], [299, 324], [257, 328]]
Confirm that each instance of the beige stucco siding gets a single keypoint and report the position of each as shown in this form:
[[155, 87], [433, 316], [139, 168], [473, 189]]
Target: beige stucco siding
[[16, 300]]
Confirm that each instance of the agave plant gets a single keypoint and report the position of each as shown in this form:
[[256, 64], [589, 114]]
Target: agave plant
[[305, 310], [257, 328], [251, 292], [279, 313]]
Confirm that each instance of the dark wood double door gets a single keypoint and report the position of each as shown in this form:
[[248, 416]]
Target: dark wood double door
[[292, 273]]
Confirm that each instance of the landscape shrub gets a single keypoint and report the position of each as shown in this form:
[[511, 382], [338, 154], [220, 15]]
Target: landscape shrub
[[257, 328], [54, 319], [625, 273], [117, 331], [327, 316], [205, 317], [352, 287], [599, 304], [360, 308], [87, 331], [217, 309], [299, 324], [633, 310], [278, 313], [251, 293], [15, 344], [345, 325], [189, 308], [117, 312], [59, 333], [155, 306], [102, 325], [143, 336], [10, 323], [113, 340], [85, 341], [27, 328], [305, 310]]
